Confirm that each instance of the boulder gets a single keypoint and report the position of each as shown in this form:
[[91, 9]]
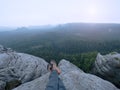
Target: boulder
[[19, 66], [73, 79], [108, 67]]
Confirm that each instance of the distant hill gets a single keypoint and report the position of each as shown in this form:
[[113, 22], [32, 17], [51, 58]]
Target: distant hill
[[64, 40], [3, 28], [78, 29]]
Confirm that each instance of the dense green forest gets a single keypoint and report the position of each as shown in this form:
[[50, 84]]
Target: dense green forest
[[79, 43]]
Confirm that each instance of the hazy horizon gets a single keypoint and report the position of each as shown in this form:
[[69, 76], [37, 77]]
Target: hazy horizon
[[20, 13], [40, 25]]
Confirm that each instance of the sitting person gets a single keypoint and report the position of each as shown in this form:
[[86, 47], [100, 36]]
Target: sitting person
[[55, 82]]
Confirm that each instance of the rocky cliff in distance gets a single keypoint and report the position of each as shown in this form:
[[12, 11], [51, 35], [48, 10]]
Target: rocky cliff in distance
[[27, 72], [108, 67]]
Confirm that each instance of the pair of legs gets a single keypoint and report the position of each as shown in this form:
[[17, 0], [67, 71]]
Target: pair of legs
[[55, 82]]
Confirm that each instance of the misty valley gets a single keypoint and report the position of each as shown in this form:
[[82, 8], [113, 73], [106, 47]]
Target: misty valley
[[77, 42]]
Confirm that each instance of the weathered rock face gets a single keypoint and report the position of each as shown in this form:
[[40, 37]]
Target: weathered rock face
[[4, 50], [73, 79], [31, 73], [19, 67], [108, 67], [76, 79], [37, 84]]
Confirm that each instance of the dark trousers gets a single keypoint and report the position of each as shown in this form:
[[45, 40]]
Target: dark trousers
[[55, 82]]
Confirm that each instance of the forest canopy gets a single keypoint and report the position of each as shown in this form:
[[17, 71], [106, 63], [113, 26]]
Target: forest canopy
[[77, 42]]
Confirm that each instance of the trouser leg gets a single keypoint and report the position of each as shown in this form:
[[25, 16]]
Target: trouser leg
[[53, 81], [61, 85]]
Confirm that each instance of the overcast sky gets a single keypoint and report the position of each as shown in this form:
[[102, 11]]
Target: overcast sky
[[40, 12]]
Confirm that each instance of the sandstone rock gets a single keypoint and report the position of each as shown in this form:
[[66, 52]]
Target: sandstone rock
[[108, 67], [19, 66], [37, 84], [66, 66], [73, 79], [3, 49], [31, 73]]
